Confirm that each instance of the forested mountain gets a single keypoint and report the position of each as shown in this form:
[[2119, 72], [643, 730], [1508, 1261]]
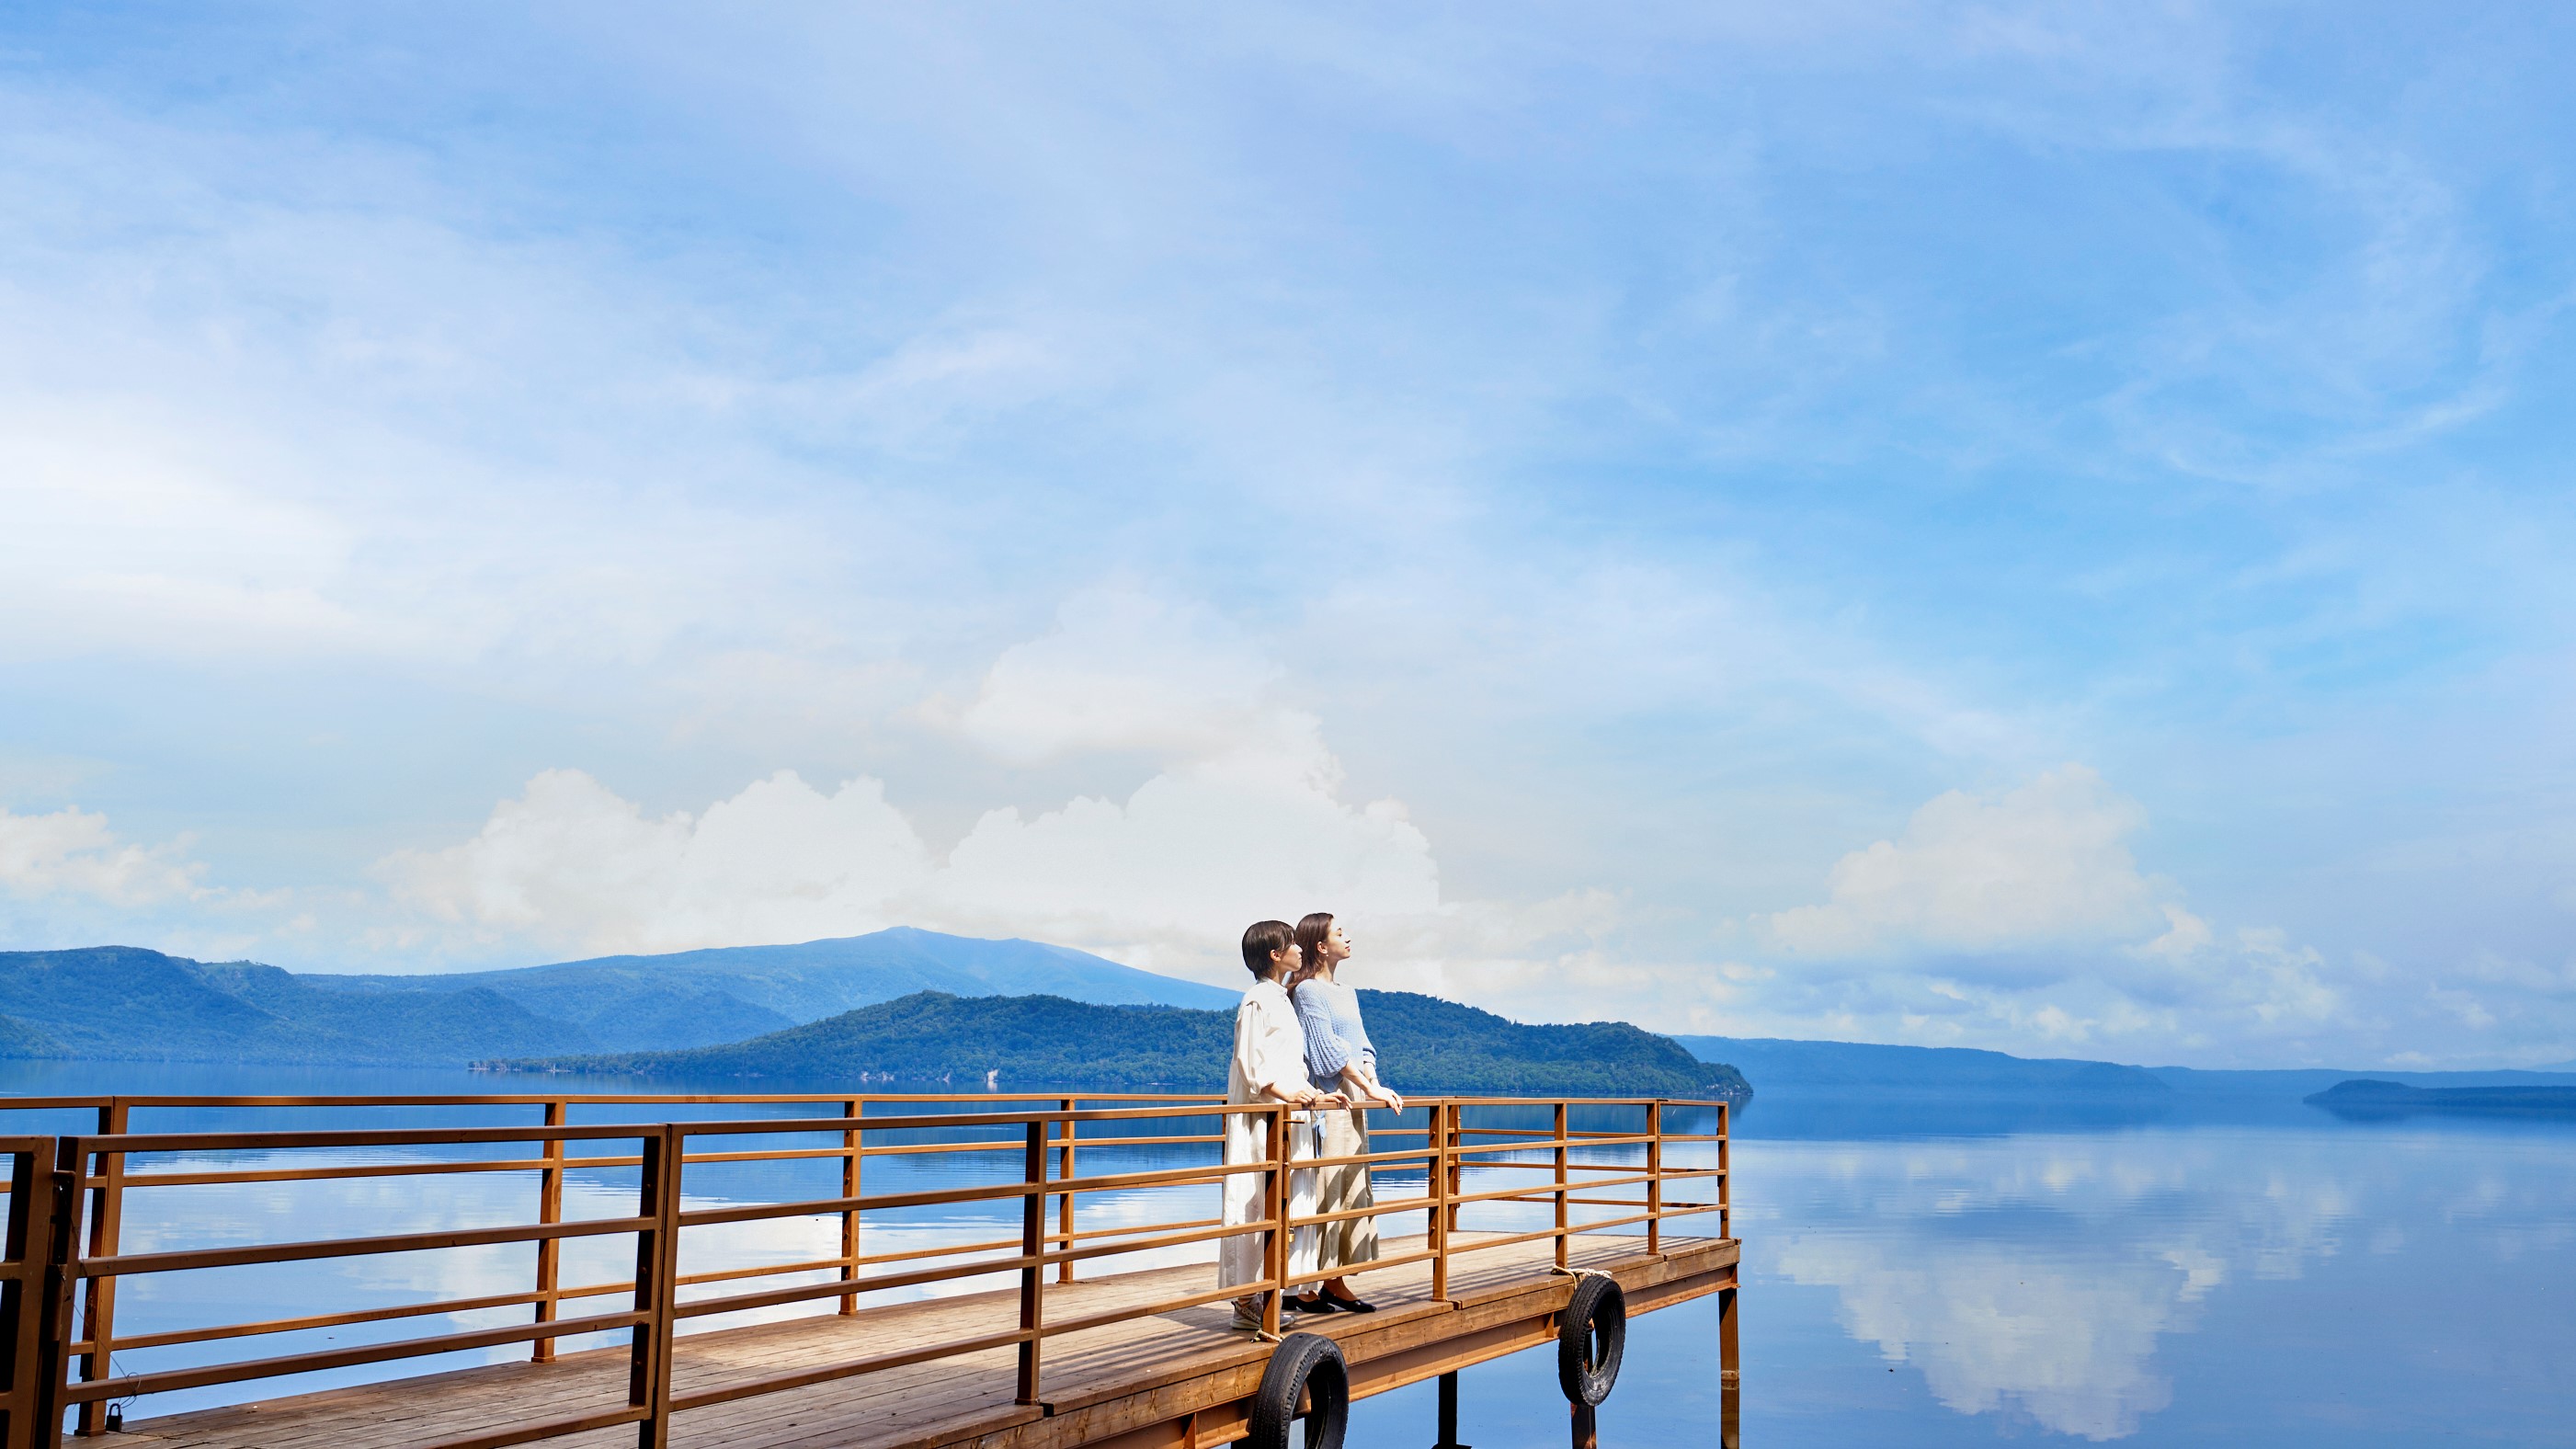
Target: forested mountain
[[934, 1040], [125, 1003], [1033, 1013]]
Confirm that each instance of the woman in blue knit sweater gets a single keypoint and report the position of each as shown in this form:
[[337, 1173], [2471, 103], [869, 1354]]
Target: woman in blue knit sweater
[[1340, 1060]]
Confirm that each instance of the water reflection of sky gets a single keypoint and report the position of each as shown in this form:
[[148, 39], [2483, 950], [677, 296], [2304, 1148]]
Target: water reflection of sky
[[2308, 1282], [2279, 1278], [2269, 1277]]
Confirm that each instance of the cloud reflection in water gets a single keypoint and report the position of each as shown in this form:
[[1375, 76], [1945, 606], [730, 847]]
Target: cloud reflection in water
[[2037, 1277]]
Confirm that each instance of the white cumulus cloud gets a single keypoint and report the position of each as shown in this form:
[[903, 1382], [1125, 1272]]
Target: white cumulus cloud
[[2024, 917], [1171, 877], [1123, 670], [2046, 864], [1165, 879], [73, 852], [571, 862], [1244, 819]]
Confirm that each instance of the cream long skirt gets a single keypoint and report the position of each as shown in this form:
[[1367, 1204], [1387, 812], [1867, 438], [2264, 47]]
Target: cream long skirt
[[1245, 1198], [1352, 1241]]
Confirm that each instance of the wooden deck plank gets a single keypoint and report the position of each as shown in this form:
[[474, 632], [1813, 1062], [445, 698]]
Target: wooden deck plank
[[1096, 1382]]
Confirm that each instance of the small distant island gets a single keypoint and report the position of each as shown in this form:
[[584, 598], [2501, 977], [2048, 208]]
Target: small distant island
[[2370, 1097], [934, 1040]]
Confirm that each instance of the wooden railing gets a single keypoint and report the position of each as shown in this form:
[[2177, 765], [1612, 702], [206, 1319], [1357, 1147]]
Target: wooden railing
[[66, 1254]]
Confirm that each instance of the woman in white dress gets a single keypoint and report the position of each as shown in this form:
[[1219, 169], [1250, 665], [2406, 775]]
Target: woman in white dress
[[1269, 1066]]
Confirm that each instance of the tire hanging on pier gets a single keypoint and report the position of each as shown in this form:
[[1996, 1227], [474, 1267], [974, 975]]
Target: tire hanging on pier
[[1590, 1337], [1305, 1368]]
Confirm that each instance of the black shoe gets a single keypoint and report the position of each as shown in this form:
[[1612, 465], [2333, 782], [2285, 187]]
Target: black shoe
[[1349, 1305], [1317, 1304]]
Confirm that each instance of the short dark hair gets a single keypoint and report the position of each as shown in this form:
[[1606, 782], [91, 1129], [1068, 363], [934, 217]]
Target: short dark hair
[[1263, 940]]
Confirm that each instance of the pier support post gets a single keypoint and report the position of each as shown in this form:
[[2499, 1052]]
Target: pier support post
[[1586, 1434], [1730, 1391], [1449, 1412]]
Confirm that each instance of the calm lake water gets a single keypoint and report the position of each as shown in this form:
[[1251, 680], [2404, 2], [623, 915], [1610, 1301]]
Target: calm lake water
[[1925, 1272]]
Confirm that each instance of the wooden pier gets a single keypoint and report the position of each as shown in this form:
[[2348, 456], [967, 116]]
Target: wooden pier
[[1522, 1208]]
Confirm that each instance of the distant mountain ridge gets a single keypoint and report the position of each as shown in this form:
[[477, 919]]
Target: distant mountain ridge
[[933, 1040], [1782, 1063], [123, 1003], [701, 998], [1821, 1068], [128, 1003]]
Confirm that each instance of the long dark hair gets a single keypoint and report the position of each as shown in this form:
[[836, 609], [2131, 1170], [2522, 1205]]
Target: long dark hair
[[1263, 940], [1311, 933]]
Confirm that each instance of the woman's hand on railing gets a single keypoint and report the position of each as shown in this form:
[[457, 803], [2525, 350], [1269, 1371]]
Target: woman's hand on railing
[[1389, 1098]]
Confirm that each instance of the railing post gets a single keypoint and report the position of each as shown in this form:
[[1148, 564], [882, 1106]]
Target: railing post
[[1561, 1124], [1654, 1177], [1725, 1177], [1032, 1245], [550, 1181], [106, 1231], [1064, 1203], [1435, 1135], [54, 1312], [850, 1143], [32, 1352], [1274, 1192], [1452, 1162], [657, 1271]]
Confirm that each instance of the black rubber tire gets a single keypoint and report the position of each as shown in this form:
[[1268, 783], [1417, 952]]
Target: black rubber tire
[[1304, 1366], [1590, 1338]]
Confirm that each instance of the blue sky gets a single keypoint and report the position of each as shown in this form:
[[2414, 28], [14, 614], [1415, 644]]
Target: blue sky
[[2006, 526]]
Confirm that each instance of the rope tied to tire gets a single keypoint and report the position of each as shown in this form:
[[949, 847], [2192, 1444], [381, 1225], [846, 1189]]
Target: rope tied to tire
[[1306, 1372], [1591, 1337]]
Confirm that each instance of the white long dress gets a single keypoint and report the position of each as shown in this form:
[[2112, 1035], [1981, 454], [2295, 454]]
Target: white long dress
[[1269, 1064]]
